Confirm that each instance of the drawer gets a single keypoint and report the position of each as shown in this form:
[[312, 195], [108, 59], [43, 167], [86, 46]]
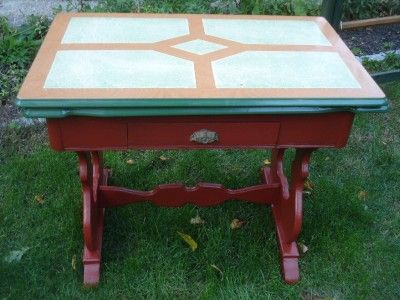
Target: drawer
[[285, 131], [202, 134]]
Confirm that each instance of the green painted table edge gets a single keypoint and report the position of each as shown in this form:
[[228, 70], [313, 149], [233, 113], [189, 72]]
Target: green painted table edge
[[138, 112], [178, 107]]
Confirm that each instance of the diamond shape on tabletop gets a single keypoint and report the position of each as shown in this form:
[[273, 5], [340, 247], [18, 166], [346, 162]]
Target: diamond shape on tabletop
[[199, 47]]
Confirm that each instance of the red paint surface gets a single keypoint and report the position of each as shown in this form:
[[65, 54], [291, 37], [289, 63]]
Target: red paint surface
[[267, 131], [177, 134], [304, 132], [174, 195], [288, 209], [286, 203], [92, 174]]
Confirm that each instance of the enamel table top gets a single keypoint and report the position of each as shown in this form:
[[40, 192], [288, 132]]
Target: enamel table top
[[144, 65]]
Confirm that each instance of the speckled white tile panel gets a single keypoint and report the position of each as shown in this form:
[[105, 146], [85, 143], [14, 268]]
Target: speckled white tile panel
[[119, 69], [123, 30], [286, 69], [274, 32], [199, 47]]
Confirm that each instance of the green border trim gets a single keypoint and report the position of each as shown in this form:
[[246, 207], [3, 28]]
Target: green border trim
[[191, 111], [200, 103]]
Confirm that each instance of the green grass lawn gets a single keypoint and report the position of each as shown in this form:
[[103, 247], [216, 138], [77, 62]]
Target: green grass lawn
[[354, 244]]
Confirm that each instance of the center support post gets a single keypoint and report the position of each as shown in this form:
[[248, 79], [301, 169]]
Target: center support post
[[286, 202]]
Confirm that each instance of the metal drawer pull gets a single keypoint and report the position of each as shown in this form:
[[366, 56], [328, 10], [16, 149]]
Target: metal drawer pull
[[204, 136]]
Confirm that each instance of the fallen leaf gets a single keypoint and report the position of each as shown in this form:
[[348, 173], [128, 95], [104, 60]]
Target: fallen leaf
[[362, 195], [266, 162], [218, 270], [237, 223], [163, 158], [73, 262], [189, 240], [302, 247], [310, 296], [16, 255], [309, 185], [130, 161], [39, 199], [197, 220]]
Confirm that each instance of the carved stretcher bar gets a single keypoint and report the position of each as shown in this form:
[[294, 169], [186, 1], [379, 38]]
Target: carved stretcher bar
[[138, 81]]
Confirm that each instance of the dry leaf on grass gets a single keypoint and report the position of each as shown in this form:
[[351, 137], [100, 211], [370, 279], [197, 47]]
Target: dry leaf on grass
[[163, 158], [130, 161], [362, 195], [266, 162], [309, 185], [39, 199], [189, 240], [311, 296], [237, 223], [73, 262], [197, 220], [15, 255], [218, 270], [302, 247]]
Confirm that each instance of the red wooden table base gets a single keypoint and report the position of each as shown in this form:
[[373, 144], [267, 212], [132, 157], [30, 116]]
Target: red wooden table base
[[286, 202]]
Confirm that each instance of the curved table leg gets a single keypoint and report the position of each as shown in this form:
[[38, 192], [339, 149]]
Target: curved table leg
[[288, 210], [92, 175]]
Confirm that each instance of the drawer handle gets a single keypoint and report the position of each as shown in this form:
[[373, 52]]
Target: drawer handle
[[204, 136]]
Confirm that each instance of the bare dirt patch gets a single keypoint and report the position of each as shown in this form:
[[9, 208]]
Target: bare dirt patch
[[373, 39]]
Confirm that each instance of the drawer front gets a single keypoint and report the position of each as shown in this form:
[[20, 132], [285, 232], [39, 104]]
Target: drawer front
[[285, 131], [202, 134]]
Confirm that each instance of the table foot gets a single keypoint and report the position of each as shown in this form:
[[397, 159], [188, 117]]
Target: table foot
[[91, 274], [289, 253], [290, 269], [287, 209], [92, 258]]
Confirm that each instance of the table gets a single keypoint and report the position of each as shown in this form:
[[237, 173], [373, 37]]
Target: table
[[141, 81]]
